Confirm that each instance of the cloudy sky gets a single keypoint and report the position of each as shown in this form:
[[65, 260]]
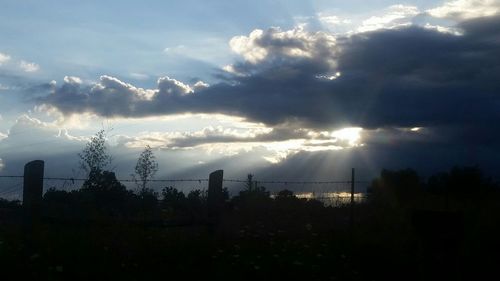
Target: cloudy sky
[[283, 89]]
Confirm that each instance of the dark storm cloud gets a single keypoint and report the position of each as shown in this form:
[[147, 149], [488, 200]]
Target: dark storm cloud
[[400, 77], [426, 158]]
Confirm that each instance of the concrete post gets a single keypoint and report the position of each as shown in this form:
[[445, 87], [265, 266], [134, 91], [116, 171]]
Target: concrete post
[[215, 198], [33, 189], [351, 215]]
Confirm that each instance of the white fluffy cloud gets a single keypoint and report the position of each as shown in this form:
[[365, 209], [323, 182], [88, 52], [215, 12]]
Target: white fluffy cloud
[[393, 16], [4, 58], [29, 66], [466, 9], [174, 87], [274, 43], [113, 97]]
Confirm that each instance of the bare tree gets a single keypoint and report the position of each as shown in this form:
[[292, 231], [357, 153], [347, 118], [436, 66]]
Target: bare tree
[[146, 168], [94, 157]]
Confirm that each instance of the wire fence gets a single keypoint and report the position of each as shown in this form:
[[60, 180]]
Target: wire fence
[[328, 192], [11, 188]]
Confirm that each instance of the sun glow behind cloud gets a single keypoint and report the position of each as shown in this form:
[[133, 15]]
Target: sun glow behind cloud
[[351, 135], [233, 136]]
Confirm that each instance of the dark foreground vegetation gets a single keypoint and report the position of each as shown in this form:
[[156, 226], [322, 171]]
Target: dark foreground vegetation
[[444, 228]]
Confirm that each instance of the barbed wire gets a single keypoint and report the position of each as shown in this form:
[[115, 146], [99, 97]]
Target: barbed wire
[[295, 182], [10, 190], [285, 182]]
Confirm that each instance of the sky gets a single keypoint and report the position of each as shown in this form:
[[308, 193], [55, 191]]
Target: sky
[[281, 89]]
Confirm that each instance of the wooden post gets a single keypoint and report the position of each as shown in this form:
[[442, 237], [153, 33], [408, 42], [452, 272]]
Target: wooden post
[[33, 189], [215, 198]]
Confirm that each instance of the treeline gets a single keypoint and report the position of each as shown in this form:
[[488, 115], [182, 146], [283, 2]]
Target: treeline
[[454, 189], [102, 196]]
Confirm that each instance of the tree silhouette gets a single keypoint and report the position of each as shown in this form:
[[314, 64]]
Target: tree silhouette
[[173, 199], [104, 195], [249, 185], [146, 168], [397, 187], [94, 157], [253, 191], [285, 194]]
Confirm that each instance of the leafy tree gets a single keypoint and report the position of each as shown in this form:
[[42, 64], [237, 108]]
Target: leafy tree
[[104, 195], [461, 182], [94, 157], [146, 168], [253, 191], [400, 187], [249, 185], [103, 181], [197, 202], [253, 188], [148, 203], [285, 194], [4, 203], [173, 199], [197, 196], [225, 193]]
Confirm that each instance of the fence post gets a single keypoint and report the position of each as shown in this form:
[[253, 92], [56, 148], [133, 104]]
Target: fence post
[[351, 217], [215, 198], [33, 189], [352, 187]]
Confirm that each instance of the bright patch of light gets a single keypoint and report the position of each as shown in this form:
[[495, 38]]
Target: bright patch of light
[[466, 9], [272, 159], [351, 135], [415, 129], [444, 29], [329, 77], [313, 195], [394, 16]]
